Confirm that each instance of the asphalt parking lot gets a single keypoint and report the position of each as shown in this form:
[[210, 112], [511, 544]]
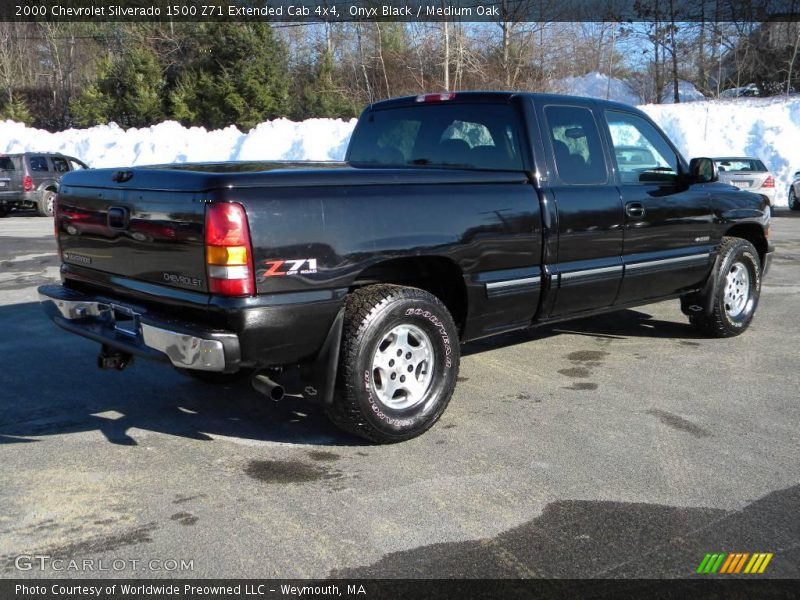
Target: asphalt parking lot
[[620, 446]]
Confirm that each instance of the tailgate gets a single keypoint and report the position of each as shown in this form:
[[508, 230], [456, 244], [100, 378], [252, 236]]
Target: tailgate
[[126, 229]]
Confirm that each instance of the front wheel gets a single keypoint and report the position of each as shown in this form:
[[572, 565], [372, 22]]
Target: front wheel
[[398, 363], [793, 203], [738, 286]]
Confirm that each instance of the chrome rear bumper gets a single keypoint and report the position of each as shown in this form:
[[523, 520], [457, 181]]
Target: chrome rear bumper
[[136, 330]]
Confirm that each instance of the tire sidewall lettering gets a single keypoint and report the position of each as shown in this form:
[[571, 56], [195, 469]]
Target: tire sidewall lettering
[[440, 328]]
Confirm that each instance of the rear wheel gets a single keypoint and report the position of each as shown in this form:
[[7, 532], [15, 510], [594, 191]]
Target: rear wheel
[[737, 290], [45, 205], [4, 211], [398, 363]]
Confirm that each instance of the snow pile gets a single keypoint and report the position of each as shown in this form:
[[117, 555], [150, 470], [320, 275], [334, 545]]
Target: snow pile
[[167, 142], [766, 128], [687, 92], [597, 85]]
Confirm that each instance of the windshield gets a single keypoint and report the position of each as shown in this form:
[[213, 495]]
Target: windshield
[[475, 136]]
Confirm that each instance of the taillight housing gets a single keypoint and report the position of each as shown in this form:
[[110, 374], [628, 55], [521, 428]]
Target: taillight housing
[[769, 182], [229, 255], [27, 184], [442, 97], [55, 223]]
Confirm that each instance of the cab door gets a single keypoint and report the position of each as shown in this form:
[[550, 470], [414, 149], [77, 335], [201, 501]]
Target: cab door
[[666, 247], [586, 272]]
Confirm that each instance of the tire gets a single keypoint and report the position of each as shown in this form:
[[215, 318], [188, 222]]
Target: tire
[[793, 203], [214, 377], [3, 211], [379, 321], [45, 204], [737, 290]]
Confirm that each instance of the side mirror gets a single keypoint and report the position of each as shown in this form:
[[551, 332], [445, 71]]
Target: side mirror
[[797, 174], [703, 170]]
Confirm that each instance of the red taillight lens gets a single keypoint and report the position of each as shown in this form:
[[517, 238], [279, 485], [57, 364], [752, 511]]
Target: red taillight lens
[[769, 182], [55, 224], [27, 183], [229, 257]]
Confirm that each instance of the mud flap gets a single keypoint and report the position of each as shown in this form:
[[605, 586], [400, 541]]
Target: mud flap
[[319, 375], [702, 301]]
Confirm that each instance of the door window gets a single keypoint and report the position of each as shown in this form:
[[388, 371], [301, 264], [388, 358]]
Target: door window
[[641, 152], [60, 165], [576, 144], [38, 163]]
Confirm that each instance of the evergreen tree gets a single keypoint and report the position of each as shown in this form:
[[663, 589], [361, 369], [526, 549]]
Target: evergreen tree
[[16, 109], [323, 95], [240, 77], [128, 90]]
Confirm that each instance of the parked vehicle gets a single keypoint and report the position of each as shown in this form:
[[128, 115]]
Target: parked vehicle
[[454, 217], [30, 180], [749, 174], [794, 192]]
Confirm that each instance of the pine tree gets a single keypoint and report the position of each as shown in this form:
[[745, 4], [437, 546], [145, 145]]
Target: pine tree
[[323, 95], [128, 90], [239, 77], [16, 109]]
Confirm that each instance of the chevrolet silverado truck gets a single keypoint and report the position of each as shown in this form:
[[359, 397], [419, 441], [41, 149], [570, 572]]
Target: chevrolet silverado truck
[[453, 217]]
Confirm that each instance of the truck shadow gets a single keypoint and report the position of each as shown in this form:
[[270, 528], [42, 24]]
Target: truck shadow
[[50, 386], [616, 325], [605, 539]]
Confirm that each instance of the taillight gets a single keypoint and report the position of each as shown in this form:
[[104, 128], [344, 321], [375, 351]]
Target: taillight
[[27, 183], [55, 223], [769, 182], [443, 97], [229, 257]]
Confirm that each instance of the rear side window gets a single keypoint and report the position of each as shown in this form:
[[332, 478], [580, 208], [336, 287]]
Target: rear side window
[[38, 163], [60, 165], [577, 149], [475, 136], [6, 164]]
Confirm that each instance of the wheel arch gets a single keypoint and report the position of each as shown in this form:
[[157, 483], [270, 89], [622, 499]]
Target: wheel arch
[[438, 275], [753, 233]]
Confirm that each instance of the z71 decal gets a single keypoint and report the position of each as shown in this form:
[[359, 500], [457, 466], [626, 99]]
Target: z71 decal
[[297, 266]]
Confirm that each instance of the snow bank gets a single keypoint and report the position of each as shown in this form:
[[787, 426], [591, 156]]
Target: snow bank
[[112, 146], [597, 85], [767, 128]]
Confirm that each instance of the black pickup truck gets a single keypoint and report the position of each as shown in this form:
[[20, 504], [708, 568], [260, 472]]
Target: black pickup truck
[[454, 217]]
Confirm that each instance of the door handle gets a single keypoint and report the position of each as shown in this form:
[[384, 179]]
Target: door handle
[[635, 210]]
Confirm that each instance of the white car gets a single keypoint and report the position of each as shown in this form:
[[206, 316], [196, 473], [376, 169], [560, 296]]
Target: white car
[[748, 174]]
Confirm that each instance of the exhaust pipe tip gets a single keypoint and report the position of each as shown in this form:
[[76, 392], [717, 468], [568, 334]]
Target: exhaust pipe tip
[[265, 385]]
